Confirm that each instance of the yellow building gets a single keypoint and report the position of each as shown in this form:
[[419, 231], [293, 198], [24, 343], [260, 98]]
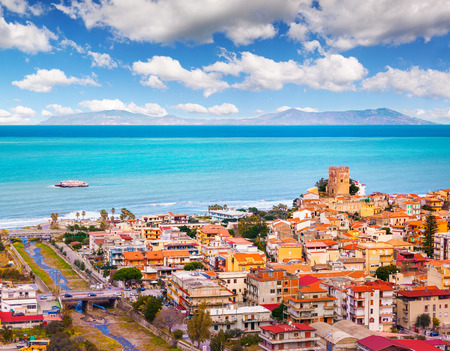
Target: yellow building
[[207, 234], [287, 252], [151, 233], [438, 273], [375, 255], [237, 262], [367, 209]]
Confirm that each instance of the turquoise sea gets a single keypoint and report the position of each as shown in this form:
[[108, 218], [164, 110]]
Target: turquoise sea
[[154, 169]]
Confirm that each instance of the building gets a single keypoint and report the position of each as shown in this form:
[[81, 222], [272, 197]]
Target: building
[[371, 304], [441, 246], [19, 298], [189, 289], [334, 339], [338, 181], [375, 255], [235, 282], [8, 319], [292, 337], [411, 303], [248, 318], [270, 286], [438, 273], [220, 215], [311, 303], [208, 233], [240, 262], [289, 251]]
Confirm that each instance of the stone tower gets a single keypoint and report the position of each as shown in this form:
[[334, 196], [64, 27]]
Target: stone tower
[[338, 181]]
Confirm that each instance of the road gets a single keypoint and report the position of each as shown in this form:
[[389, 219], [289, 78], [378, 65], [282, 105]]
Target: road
[[72, 256]]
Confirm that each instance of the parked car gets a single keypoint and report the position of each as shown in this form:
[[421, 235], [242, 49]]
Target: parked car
[[92, 294], [117, 293], [67, 295], [399, 327], [20, 314], [434, 334], [141, 289]]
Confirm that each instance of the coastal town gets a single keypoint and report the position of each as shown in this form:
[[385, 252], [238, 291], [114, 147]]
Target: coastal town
[[338, 270]]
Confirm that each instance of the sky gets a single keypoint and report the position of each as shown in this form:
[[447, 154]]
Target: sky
[[223, 58]]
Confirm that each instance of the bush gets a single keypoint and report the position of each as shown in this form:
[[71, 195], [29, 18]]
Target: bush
[[54, 327], [66, 321], [178, 334]]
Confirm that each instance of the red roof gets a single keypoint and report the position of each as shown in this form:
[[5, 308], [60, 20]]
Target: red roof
[[436, 342], [423, 293], [418, 345], [377, 342], [283, 328], [7, 317], [271, 306], [307, 280]]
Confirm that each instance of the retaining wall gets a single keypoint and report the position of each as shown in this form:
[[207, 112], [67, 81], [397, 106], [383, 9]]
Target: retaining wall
[[40, 284], [139, 319]]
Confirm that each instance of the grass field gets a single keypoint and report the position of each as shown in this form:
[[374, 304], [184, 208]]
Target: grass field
[[33, 265], [74, 281]]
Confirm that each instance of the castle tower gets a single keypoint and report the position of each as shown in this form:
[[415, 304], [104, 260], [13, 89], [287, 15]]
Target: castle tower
[[338, 181]]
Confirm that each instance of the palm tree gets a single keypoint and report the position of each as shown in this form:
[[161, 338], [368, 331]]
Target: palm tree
[[83, 213], [113, 210], [54, 217], [7, 333], [78, 215]]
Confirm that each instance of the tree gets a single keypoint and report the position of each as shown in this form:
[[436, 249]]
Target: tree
[[54, 217], [321, 185], [113, 210], [198, 326], [278, 312], [190, 232], [78, 215], [127, 274], [353, 188], [423, 320], [178, 334], [62, 342], [192, 266], [168, 317], [152, 307], [7, 333], [436, 322], [2, 247], [103, 215], [384, 272], [252, 226], [430, 230], [83, 213], [218, 342]]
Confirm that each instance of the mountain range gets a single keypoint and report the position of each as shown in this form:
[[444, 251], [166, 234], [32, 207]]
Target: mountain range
[[380, 116]]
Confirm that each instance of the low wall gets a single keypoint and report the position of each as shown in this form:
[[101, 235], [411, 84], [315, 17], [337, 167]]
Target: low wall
[[82, 274], [40, 284], [139, 319]]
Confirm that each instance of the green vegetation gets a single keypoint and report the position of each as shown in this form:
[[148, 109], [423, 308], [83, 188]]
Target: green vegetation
[[127, 274], [198, 326], [423, 320], [190, 232], [278, 312], [177, 334], [252, 227], [149, 306], [384, 272], [74, 281], [33, 265], [278, 211], [322, 183], [430, 230], [192, 266]]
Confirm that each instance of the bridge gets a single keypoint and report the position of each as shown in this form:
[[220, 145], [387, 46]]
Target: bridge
[[23, 233], [89, 298]]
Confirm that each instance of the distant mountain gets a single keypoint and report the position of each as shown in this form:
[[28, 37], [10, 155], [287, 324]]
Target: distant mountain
[[380, 116]]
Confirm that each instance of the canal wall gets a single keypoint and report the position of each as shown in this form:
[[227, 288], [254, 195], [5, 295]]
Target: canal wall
[[139, 319], [40, 284]]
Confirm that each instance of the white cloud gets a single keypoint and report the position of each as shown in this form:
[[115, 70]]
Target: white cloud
[[297, 31], [217, 110], [258, 111], [181, 20], [304, 109], [223, 110], [22, 7], [345, 24], [71, 44], [437, 115], [56, 109], [191, 108], [17, 115], [331, 72], [27, 38], [413, 82], [311, 46], [44, 80], [102, 60], [150, 109], [164, 68]]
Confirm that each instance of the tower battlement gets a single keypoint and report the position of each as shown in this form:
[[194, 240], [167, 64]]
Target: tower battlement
[[338, 181]]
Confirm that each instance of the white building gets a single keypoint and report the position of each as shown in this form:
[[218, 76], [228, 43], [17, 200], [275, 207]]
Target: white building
[[220, 215], [248, 318], [234, 281], [19, 298]]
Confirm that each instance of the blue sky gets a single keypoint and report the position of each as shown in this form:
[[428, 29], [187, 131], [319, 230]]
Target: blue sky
[[216, 58]]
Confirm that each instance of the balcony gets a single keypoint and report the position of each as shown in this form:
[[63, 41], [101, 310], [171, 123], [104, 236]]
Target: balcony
[[226, 321], [330, 307]]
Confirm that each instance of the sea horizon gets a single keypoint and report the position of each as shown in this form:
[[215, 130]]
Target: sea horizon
[[156, 169]]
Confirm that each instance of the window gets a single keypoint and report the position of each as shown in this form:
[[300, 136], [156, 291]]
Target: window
[[272, 291], [216, 327], [286, 290], [235, 281]]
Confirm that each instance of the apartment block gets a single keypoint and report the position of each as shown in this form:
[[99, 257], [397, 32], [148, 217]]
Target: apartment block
[[292, 336]]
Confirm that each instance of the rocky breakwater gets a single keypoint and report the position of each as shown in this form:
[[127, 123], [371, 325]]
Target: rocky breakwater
[[72, 184]]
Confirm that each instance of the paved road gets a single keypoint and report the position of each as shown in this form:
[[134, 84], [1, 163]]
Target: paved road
[[72, 256]]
